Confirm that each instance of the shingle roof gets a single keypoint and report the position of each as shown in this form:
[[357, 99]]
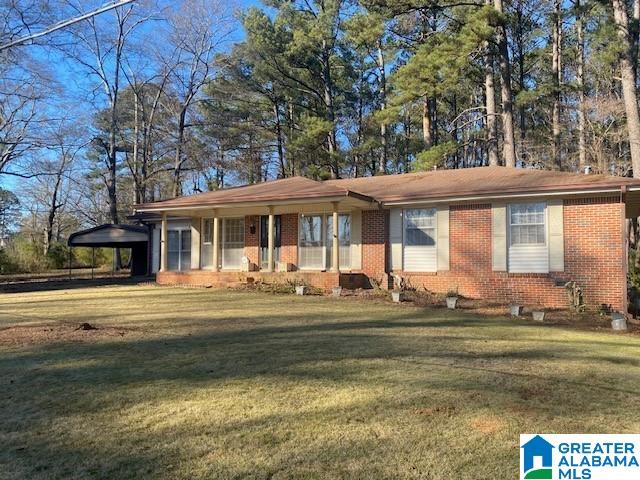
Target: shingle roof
[[478, 181], [439, 184], [293, 188]]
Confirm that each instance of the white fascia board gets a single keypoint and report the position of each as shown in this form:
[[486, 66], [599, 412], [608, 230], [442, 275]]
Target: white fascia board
[[496, 197]]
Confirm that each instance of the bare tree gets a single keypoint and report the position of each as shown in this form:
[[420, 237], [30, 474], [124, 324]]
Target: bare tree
[[24, 85], [196, 31]]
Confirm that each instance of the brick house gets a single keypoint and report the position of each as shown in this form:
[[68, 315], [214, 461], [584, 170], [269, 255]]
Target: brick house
[[505, 235]]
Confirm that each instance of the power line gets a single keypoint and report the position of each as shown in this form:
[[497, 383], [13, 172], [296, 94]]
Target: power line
[[66, 23]]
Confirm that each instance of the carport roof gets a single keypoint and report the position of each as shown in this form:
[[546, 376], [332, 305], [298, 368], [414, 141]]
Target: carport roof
[[110, 235]]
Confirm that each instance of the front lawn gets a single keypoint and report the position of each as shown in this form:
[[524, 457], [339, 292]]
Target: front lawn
[[196, 383]]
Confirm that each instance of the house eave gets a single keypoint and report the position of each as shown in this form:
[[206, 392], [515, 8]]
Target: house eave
[[495, 196]]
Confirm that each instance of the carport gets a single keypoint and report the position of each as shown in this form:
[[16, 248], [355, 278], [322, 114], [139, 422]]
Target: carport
[[118, 236]]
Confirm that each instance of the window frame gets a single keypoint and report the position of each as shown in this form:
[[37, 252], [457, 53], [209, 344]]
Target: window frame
[[435, 227], [207, 231], [545, 226], [224, 243], [325, 219]]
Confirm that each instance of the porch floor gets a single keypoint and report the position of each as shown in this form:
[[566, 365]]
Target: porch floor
[[323, 280]]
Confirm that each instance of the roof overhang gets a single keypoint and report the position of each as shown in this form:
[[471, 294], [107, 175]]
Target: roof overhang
[[502, 196], [349, 200], [110, 235]]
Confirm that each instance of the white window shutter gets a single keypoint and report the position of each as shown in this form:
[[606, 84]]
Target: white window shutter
[[356, 240], [555, 216], [499, 237], [395, 238], [196, 224], [442, 241]]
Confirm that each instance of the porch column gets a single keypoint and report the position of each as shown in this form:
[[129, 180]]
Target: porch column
[[216, 242], [196, 227], [163, 243], [271, 241], [335, 250]]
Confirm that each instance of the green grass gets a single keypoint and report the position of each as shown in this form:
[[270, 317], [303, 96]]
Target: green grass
[[194, 383]]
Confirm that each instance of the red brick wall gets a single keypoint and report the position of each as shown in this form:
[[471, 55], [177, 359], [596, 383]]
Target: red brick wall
[[252, 240], [374, 245], [594, 251], [289, 238], [323, 280], [594, 255]]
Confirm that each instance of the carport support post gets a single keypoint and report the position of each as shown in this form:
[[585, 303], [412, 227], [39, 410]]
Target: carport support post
[[335, 250], [271, 242], [163, 244], [216, 241], [93, 260]]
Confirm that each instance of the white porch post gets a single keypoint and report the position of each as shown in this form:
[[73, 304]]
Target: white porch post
[[216, 242], [335, 250], [163, 243], [271, 241], [196, 227]]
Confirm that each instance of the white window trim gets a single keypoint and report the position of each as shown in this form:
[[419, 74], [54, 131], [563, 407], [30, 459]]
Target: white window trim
[[179, 230], [223, 243], [204, 231], [404, 237], [524, 246], [326, 217], [546, 226]]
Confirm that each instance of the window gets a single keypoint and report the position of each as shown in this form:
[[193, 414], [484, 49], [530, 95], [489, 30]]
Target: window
[[527, 224], [264, 239], [528, 251], [419, 253], [207, 231], [310, 248], [344, 234], [420, 227], [232, 242], [178, 250]]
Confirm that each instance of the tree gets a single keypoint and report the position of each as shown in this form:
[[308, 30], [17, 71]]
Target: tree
[[508, 140], [627, 60], [196, 30]]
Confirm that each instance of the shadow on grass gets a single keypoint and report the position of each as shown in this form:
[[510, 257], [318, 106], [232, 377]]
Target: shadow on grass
[[405, 359]]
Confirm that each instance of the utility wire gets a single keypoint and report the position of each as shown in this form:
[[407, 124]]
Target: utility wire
[[66, 23]]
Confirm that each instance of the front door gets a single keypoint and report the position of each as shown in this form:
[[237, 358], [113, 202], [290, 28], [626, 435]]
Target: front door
[[264, 240]]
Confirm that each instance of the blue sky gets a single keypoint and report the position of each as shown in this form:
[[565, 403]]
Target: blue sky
[[75, 86]]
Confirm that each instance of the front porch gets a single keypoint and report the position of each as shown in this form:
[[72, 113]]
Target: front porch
[[205, 278], [312, 242]]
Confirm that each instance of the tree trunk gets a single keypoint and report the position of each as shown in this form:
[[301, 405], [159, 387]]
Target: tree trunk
[[382, 166], [178, 161], [327, 81], [427, 139], [556, 72], [629, 92], [582, 108], [279, 140], [490, 103], [508, 142]]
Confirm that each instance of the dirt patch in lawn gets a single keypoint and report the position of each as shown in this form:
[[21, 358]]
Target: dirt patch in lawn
[[41, 334], [488, 424], [440, 411]]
